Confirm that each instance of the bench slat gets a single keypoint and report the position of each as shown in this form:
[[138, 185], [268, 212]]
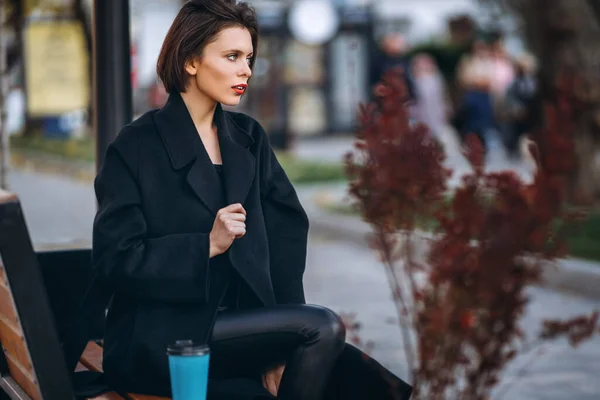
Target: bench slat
[[7, 305], [23, 378], [14, 344], [92, 357], [80, 367], [91, 360]]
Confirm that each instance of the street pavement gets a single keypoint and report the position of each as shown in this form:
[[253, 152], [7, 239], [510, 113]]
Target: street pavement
[[349, 279], [344, 277], [58, 210]]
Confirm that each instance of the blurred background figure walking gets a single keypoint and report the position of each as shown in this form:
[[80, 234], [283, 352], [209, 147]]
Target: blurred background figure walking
[[476, 111], [393, 53], [519, 104], [431, 100]]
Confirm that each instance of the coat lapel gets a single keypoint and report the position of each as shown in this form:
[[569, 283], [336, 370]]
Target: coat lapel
[[204, 181], [184, 147], [239, 169], [238, 161]]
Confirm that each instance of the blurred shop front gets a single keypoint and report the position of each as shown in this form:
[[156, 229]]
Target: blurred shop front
[[301, 88], [56, 68]]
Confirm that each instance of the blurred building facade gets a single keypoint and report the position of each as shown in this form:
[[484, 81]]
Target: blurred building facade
[[298, 89]]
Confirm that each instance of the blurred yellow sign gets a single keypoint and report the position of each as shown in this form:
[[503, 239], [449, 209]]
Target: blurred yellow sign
[[54, 6], [56, 66]]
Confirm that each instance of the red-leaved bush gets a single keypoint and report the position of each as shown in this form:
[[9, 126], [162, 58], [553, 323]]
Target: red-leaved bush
[[459, 306]]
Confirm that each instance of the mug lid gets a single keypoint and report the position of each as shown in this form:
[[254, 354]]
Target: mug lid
[[187, 348]]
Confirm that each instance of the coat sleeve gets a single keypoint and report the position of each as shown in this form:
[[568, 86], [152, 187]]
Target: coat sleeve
[[129, 261], [287, 230]]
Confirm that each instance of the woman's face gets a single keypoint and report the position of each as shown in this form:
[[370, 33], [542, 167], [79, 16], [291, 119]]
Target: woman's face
[[223, 71]]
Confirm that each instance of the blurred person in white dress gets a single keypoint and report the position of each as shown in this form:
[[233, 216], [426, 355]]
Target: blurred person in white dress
[[432, 105]]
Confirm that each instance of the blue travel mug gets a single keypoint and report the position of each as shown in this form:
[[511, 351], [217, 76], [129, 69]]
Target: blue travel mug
[[188, 365]]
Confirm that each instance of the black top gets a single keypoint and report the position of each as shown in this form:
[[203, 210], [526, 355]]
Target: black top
[[231, 298]]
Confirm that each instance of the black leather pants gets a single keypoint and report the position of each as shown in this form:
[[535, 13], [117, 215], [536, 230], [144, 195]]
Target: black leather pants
[[307, 338]]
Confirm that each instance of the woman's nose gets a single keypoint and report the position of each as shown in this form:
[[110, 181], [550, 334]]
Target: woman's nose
[[246, 71]]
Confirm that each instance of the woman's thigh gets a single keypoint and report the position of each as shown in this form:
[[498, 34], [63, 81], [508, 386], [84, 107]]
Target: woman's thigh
[[246, 342]]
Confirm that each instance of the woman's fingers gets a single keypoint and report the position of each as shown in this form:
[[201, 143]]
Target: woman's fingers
[[236, 216], [236, 229], [238, 232], [233, 218], [233, 208], [231, 225]]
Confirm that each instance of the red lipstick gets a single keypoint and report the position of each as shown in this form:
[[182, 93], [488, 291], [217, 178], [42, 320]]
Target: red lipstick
[[240, 88]]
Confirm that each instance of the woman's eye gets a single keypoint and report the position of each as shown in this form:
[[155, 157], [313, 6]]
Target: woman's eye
[[232, 57], [249, 60]]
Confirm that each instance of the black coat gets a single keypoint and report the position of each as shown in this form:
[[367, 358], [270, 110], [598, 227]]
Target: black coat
[[158, 196], [157, 204]]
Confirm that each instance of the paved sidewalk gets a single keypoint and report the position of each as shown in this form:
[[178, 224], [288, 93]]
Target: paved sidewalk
[[349, 279]]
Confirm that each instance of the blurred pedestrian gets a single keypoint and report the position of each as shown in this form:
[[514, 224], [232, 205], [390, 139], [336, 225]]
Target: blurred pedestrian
[[520, 103], [503, 74], [392, 53], [476, 111], [431, 105]]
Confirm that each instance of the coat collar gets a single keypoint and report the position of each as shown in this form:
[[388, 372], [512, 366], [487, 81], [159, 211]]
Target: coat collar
[[184, 146]]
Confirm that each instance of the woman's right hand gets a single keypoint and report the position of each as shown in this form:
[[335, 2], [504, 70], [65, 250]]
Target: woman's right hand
[[230, 224]]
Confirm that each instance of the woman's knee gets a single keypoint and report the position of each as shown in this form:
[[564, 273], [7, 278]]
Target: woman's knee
[[329, 325]]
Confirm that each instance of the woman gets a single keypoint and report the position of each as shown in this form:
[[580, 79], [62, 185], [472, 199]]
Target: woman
[[476, 111], [431, 107], [201, 236]]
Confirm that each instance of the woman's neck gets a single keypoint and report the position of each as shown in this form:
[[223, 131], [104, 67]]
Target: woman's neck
[[201, 109]]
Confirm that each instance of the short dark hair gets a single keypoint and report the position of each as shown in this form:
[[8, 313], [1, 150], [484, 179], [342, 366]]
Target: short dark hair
[[196, 25]]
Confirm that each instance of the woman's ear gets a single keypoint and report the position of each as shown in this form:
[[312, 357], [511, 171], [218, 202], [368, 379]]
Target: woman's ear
[[191, 67]]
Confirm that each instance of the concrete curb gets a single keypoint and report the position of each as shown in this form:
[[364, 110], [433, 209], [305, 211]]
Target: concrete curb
[[576, 276]]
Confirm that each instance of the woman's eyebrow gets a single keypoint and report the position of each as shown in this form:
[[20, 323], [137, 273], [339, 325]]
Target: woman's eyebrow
[[236, 51]]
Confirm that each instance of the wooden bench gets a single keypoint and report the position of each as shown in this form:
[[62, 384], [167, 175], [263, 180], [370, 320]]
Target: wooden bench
[[32, 362]]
